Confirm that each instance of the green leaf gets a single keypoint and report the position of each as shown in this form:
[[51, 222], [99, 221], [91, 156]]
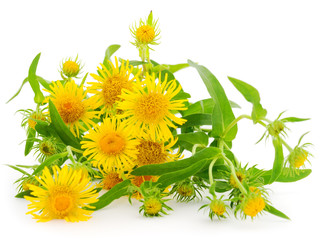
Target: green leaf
[[218, 94], [119, 190], [61, 129], [279, 160], [217, 121], [111, 50], [49, 161], [43, 82], [222, 186], [18, 169], [25, 81], [163, 168], [169, 178], [251, 94], [285, 176], [194, 138], [30, 140], [24, 193], [197, 120], [275, 212], [42, 127], [32, 78], [204, 106], [294, 119]]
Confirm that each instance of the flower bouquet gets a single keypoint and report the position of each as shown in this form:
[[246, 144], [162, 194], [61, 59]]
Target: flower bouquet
[[125, 133]]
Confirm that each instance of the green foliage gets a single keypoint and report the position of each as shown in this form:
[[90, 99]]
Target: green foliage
[[222, 110]]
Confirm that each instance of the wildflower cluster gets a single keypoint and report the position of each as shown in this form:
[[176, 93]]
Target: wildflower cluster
[[124, 130]]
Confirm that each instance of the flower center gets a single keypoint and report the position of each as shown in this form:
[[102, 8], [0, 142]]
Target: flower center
[[218, 207], [112, 144], [152, 108], [62, 203], [145, 34], [150, 153], [112, 87], [110, 180], [71, 110]]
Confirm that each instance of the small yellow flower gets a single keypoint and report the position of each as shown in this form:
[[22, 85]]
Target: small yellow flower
[[218, 207], [152, 207], [61, 196], [73, 106], [147, 32], [149, 107], [37, 116], [253, 205], [111, 146], [71, 68], [241, 176]]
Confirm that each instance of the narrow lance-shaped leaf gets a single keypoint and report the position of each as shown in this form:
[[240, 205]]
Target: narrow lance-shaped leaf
[[218, 94], [49, 161], [163, 168], [279, 160], [285, 176], [251, 94], [173, 177], [29, 141], [32, 78], [109, 52], [16, 94], [275, 212], [119, 190], [294, 119], [60, 127]]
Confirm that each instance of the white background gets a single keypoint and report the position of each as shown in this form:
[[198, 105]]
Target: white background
[[280, 47]]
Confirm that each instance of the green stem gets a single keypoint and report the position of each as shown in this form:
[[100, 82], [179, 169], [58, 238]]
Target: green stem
[[210, 170], [195, 146], [70, 154], [286, 145], [232, 168], [233, 123], [76, 150], [236, 160]]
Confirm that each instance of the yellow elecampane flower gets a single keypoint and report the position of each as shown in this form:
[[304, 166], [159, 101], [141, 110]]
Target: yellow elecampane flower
[[149, 107], [110, 83], [73, 106], [111, 146], [156, 152], [63, 195]]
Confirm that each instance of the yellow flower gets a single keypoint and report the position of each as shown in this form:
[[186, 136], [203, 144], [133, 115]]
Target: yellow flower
[[240, 176], [72, 105], [155, 152], [71, 68], [217, 207], [37, 116], [149, 107], [253, 205], [152, 206], [110, 83], [111, 146], [147, 32], [109, 180], [62, 196]]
